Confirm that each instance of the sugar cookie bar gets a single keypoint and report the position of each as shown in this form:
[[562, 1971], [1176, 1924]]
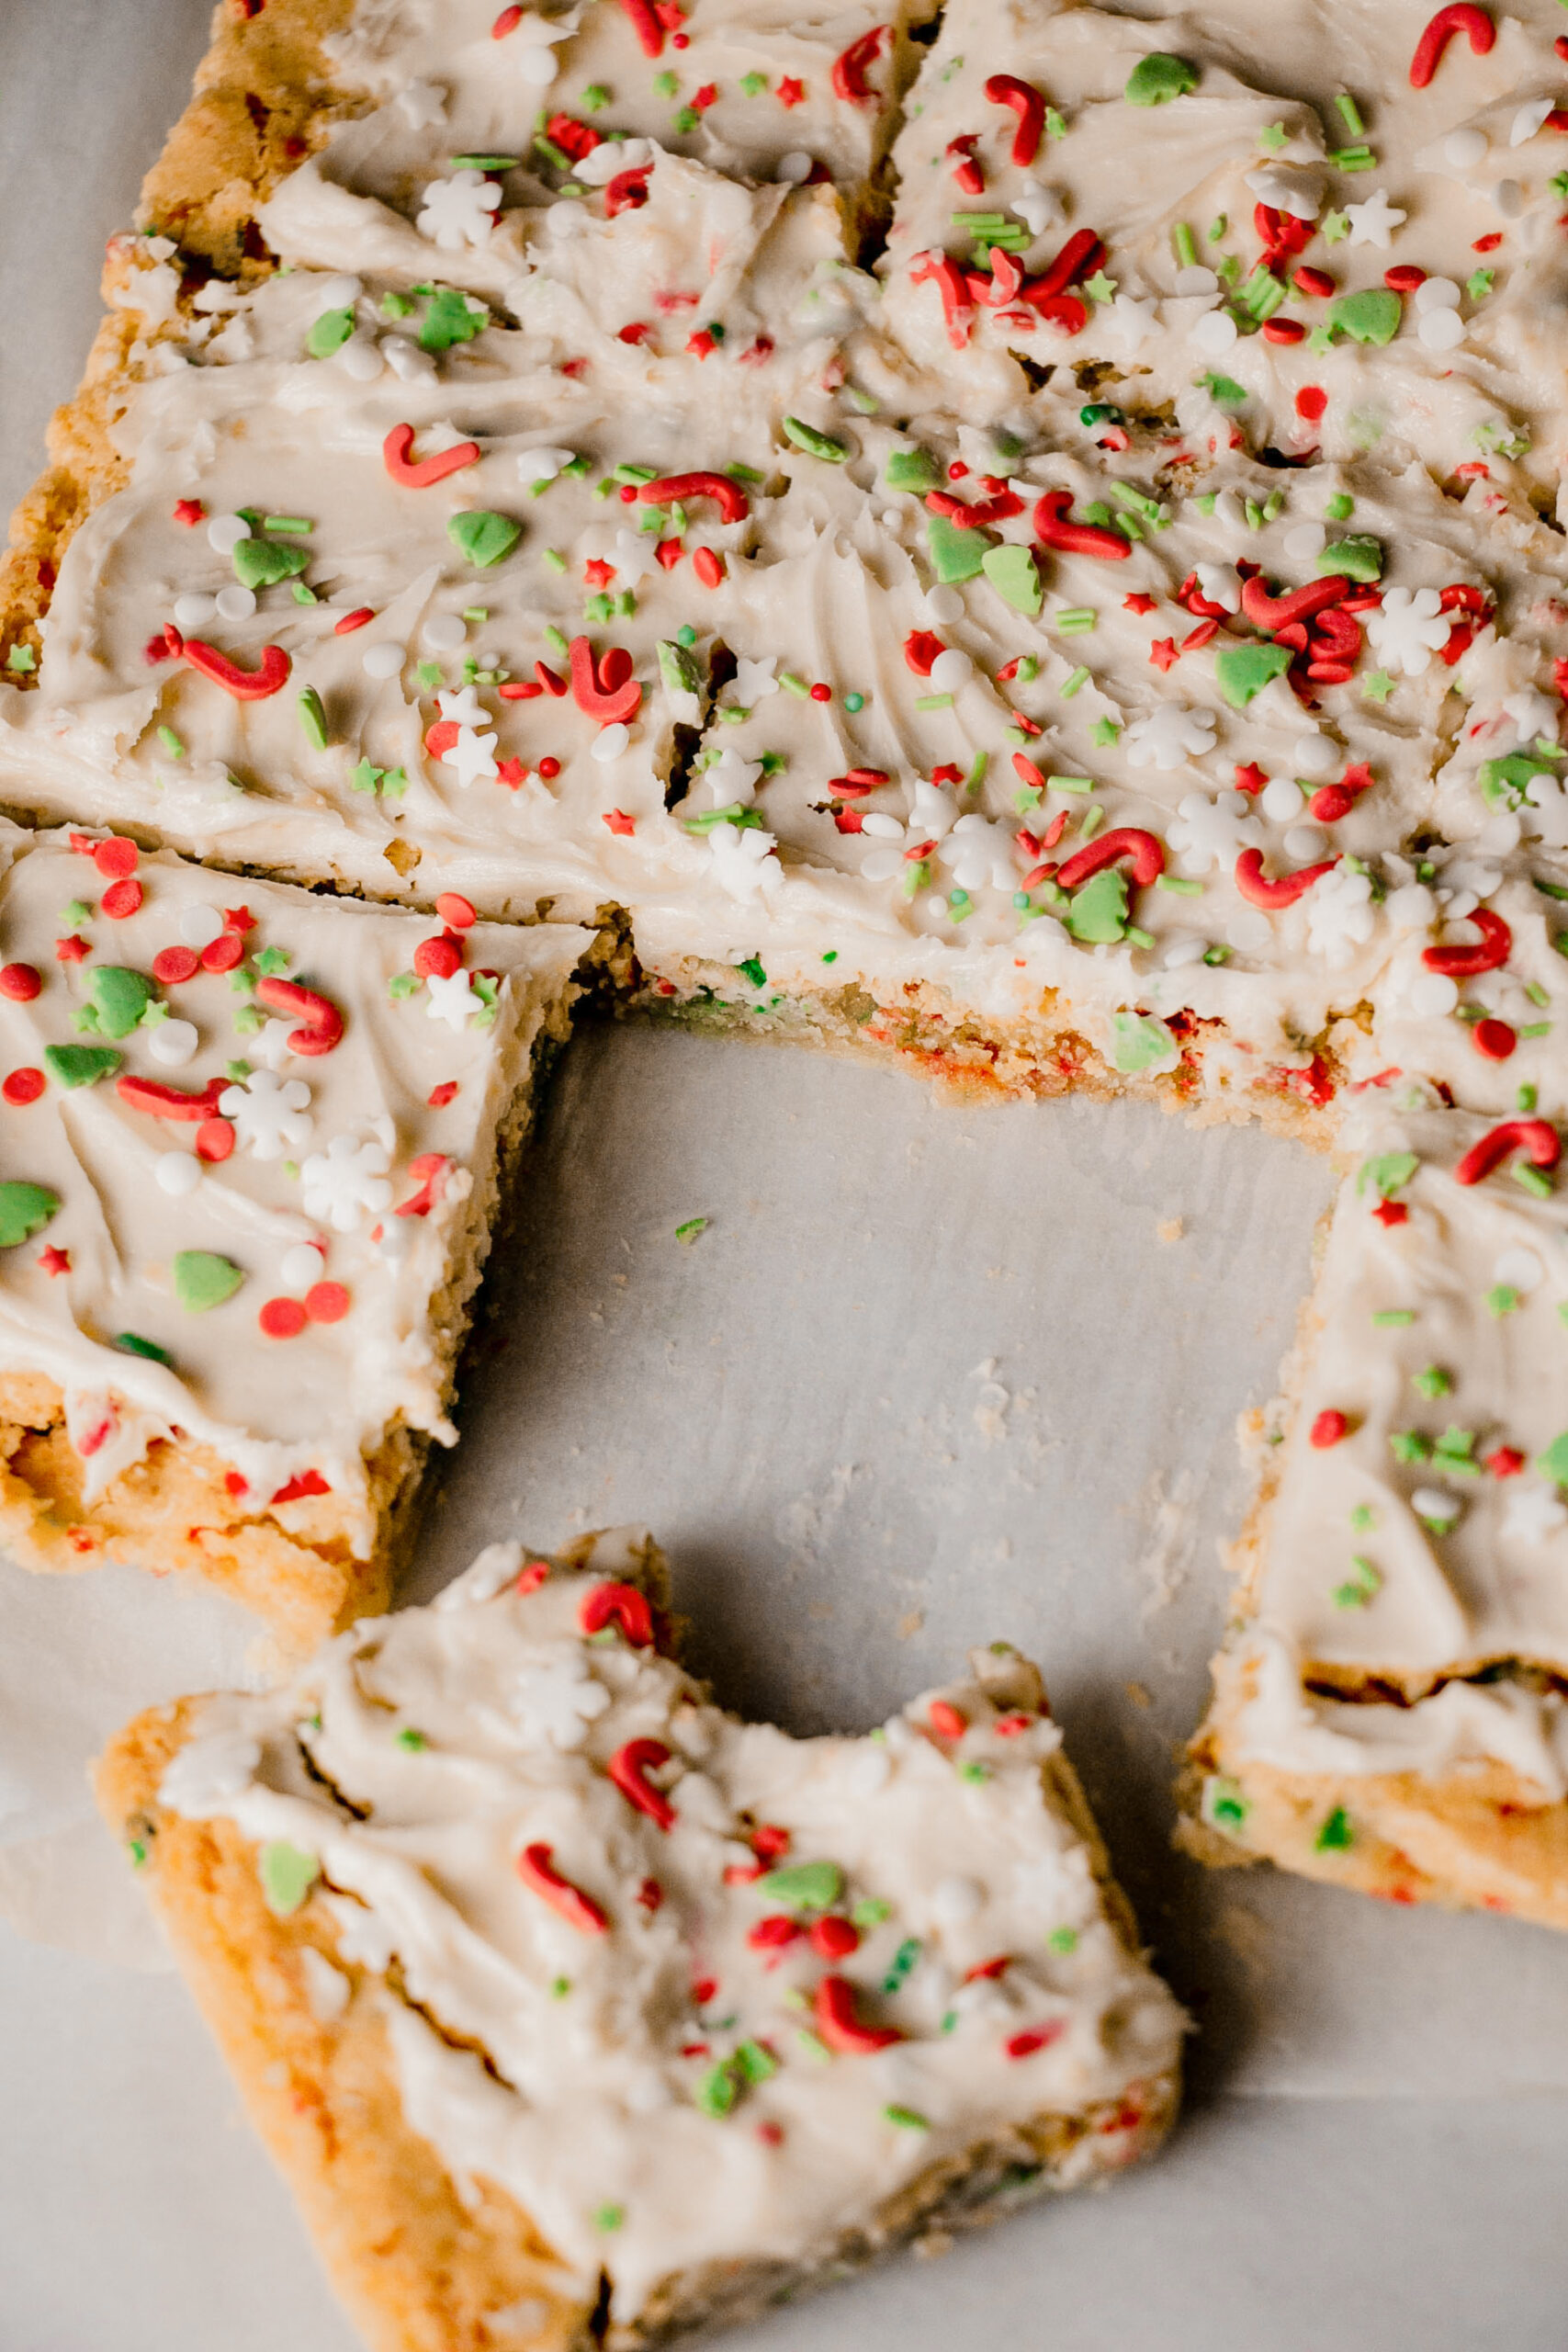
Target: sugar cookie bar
[[575, 2009], [253, 1141], [1389, 1708]]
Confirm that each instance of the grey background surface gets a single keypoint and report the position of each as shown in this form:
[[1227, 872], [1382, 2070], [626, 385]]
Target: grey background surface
[[930, 1376]]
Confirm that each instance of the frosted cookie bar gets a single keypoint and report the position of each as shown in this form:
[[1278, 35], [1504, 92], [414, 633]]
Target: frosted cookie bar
[[1341, 233], [1388, 1711], [254, 1146], [575, 2009]]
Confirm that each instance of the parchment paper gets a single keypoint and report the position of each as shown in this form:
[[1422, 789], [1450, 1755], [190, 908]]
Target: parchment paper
[[932, 1375]]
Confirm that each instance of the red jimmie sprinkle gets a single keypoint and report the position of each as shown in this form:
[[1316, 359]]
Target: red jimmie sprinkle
[[835, 1938], [507, 22], [1034, 2038], [645, 22], [1328, 1429], [709, 565], [946, 1721], [350, 621]]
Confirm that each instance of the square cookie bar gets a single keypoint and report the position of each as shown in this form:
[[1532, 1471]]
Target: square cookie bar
[[253, 1146], [576, 2010], [1388, 1711]]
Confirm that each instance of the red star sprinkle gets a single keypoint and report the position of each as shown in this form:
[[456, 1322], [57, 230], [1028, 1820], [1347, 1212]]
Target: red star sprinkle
[[1163, 653], [190, 512], [1506, 1462], [619, 822], [54, 1261], [1137, 603], [1250, 778], [510, 773], [239, 919], [598, 573], [75, 950], [1391, 1213], [791, 92]]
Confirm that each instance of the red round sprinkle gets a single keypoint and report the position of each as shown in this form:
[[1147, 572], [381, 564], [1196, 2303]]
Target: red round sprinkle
[[821, 692], [327, 1301], [1328, 1429], [116, 858], [437, 958], [282, 1318], [221, 954], [23, 1086], [771, 2134], [172, 964], [453, 908], [834, 1938], [20, 982], [1493, 1040], [214, 1139], [121, 898], [1310, 403], [548, 767]]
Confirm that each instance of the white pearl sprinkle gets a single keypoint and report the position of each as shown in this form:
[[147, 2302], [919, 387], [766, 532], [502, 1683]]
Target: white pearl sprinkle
[[950, 670], [1248, 932], [793, 168], [1305, 844], [194, 612], [300, 1266], [177, 1173], [610, 742], [444, 632], [1520, 1269], [383, 661], [235, 603], [172, 1043], [198, 925], [360, 359], [945, 605], [1281, 799], [1433, 995], [538, 65], [1464, 148], [225, 532], [1441, 330], [1437, 294]]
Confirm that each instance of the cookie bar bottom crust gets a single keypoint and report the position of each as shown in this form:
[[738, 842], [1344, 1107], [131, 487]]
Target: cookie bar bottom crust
[[424, 2264], [1041, 1056], [1480, 1839]]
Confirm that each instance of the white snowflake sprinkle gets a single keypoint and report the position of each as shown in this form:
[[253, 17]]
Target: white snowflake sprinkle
[[1408, 628], [270, 1115], [1534, 715], [1206, 833], [422, 105], [743, 861], [1340, 915], [1168, 737], [554, 1700], [347, 1182], [1535, 1512], [458, 211]]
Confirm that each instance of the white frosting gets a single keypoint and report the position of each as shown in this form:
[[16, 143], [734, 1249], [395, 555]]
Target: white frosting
[[658, 2097], [321, 1147]]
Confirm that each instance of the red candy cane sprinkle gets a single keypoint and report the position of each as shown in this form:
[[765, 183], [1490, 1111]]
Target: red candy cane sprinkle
[[536, 1869], [1007, 90], [849, 67], [629, 1768], [1473, 23], [621, 1605], [1537, 1138], [269, 677], [839, 2026], [1466, 963], [1258, 890], [395, 457]]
